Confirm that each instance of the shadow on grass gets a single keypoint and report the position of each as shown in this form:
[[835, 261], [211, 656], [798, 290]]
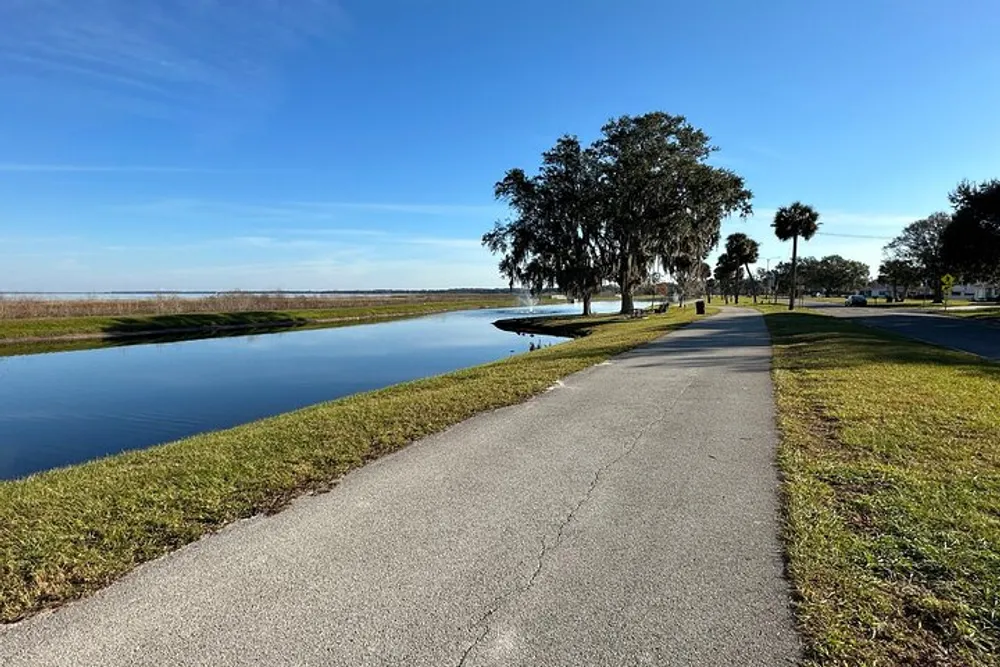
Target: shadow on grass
[[189, 321]]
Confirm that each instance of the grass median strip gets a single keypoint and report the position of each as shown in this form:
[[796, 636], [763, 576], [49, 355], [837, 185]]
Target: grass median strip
[[891, 458], [67, 532], [988, 314]]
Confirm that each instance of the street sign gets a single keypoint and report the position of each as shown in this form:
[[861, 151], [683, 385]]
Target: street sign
[[947, 282]]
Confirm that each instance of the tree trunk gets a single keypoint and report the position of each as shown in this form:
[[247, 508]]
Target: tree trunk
[[628, 305], [753, 282], [736, 287], [624, 275], [586, 304], [795, 266], [624, 282]]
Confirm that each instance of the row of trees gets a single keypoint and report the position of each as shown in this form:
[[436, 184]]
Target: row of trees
[[642, 194], [790, 224], [741, 251], [830, 275], [965, 242]]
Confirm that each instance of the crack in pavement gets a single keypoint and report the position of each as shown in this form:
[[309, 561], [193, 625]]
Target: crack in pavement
[[501, 600]]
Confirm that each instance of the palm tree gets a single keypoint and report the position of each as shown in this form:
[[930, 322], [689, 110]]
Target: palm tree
[[727, 274], [744, 251], [705, 275], [791, 222]]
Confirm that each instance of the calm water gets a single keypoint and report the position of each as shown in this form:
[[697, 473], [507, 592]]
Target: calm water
[[67, 407]]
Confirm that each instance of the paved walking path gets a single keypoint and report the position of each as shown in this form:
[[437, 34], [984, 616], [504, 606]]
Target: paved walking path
[[627, 517]]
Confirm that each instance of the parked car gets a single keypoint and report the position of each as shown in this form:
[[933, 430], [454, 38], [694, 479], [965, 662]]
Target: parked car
[[856, 300]]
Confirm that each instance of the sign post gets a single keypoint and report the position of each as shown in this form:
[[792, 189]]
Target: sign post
[[947, 282]]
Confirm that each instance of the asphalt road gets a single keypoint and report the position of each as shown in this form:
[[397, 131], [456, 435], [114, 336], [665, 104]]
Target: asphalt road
[[953, 332], [629, 516]]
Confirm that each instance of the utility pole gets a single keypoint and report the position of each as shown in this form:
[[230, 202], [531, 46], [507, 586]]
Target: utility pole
[[772, 283]]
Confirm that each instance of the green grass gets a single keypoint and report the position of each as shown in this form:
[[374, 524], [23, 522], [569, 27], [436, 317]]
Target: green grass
[[567, 326], [67, 532], [772, 307], [891, 461]]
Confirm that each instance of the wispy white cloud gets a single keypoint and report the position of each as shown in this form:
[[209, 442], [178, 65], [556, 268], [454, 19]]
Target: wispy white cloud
[[259, 262], [173, 57], [367, 236], [858, 220], [456, 243], [315, 211], [17, 167], [332, 232], [331, 273], [253, 240], [203, 209], [346, 241], [38, 240], [419, 209], [274, 243]]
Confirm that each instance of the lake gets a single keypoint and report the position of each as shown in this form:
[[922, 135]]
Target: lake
[[67, 407]]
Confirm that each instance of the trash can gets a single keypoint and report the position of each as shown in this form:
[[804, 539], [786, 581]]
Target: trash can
[[699, 307]]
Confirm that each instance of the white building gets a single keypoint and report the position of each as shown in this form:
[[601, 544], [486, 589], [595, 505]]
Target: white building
[[978, 292]]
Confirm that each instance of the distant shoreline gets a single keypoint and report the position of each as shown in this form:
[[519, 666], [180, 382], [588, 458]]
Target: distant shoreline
[[457, 290]]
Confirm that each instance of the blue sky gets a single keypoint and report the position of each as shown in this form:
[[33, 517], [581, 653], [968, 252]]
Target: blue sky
[[313, 144]]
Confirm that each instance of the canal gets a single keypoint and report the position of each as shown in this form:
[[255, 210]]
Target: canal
[[63, 408]]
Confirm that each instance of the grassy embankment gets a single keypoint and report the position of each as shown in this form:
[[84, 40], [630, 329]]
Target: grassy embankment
[[67, 532], [64, 328], [24, 307], [891, 461]]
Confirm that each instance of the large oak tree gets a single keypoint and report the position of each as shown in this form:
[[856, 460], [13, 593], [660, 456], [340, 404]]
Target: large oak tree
[[662, 199], [921, 245], [970, 245], [554, 238], [642, 192]]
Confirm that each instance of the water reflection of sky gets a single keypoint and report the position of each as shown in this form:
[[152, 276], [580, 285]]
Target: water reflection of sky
[[67, 407]]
